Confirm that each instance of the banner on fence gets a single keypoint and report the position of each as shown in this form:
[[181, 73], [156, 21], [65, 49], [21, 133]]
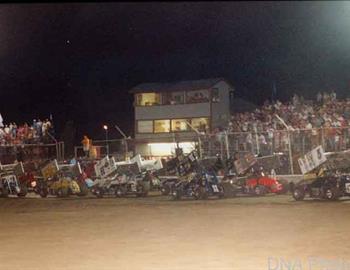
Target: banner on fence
[[312, 159], [50, 169], [245, 163], [147, 164], [105, 167]]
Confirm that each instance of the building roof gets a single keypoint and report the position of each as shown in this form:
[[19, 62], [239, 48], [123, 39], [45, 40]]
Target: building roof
[[176, 86]]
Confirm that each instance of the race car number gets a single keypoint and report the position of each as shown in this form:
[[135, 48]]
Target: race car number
[[215, 188], [347, 187]]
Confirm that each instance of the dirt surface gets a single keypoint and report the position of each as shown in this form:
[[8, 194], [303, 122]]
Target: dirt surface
[[157, 233]]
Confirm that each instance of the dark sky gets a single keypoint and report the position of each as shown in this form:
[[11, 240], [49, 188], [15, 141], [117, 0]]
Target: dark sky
[[77, 61]]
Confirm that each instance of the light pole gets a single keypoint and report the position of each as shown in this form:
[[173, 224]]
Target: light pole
[[289, 142], [125, 141], [105, 127]]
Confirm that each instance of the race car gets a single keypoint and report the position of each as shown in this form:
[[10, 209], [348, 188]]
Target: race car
[[326, 184], [256, 184]]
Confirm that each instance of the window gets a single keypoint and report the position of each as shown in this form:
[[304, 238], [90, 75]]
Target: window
[[179, 125], [148, 99], [145, 126], [197, 96], [173, 98], [202, 124], [178, 97], [215, 95], [161, 126]]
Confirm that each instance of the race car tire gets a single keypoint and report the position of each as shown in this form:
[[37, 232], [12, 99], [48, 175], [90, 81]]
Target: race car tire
[[285, 186], [99, 193], [331, 194], [165, 190], [203, 194], [62, 192], [298, 194], [120, 192], [140, 190], [229, 190], [259, 190], [43, 193], [176, 195], [23, 190], [84, 190], [221, 192]]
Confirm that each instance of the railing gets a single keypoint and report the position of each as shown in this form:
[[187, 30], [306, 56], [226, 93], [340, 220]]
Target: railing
[[119, 148], [31, 152]]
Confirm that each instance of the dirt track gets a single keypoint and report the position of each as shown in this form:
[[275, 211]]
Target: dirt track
[[156, 233]]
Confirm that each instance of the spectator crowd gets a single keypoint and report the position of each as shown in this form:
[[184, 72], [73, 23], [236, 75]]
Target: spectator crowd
[[324, 120], [38, 132]]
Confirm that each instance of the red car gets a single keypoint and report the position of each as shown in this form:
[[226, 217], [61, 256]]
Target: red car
[[262, 185], [254, 185]]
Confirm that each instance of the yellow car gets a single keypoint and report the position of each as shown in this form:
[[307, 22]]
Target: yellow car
[[64, 187]]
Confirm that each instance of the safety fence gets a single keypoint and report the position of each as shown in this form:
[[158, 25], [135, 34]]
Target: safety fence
[[292, 144], [31, 152], [301, 141]]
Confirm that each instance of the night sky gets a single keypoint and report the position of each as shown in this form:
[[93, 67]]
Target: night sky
[[78, 61]]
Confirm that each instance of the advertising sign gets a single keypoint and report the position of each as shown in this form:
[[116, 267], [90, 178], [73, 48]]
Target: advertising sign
[[245, 163], [105, 167], [312, 160], [147, 164]]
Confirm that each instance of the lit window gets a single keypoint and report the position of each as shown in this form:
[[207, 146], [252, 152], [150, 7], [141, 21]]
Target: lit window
[[168, 149], [148, 99], [161, 126], [202, 124], [197, 96], [145, 126], [179, 125], [173, 98]]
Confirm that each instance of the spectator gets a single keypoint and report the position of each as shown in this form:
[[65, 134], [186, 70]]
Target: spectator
[[13, 134]]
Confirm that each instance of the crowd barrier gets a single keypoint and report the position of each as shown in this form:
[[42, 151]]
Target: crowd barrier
[[291, 143], [31, 152]]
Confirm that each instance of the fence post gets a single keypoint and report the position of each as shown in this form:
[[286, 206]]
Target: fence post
[[303, 144], [237, 143], [200, 146], [257, 141], [227, 145], [126, 149], [57, 151], [322, 139], [62, 147], [290, 153], [345, 140]]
